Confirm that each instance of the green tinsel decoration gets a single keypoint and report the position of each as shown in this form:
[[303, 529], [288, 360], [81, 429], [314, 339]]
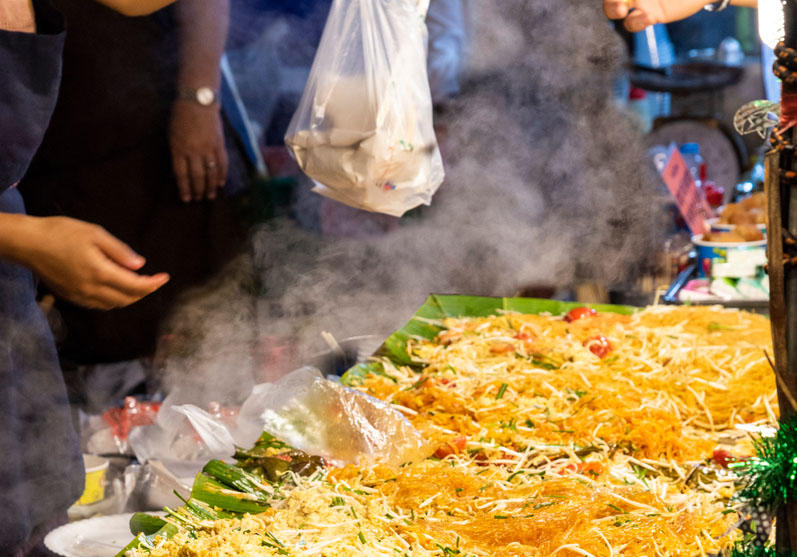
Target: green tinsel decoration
[[747, 549], [771, 476]]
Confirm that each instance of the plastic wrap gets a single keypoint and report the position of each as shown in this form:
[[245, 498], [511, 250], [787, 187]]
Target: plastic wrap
[[363, 129], [324, 418], [306, 411]]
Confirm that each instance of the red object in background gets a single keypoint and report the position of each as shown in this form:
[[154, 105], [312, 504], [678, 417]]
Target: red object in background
[[637, 94], [723, 458], [133, 413], [599, 345], [714, 193], [579, 313]]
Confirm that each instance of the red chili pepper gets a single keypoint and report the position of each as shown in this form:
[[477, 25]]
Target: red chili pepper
[[579, 313], [599, 345], [590, 468], [454, 446]]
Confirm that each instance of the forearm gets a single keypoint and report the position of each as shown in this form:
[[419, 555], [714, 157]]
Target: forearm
[[202, 28], [135, 7], [17, 15], [676, 11], [18, 237]]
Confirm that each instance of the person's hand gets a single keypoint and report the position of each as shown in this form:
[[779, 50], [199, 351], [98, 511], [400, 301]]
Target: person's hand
[[198, 154], [639, 14], [86, 265]]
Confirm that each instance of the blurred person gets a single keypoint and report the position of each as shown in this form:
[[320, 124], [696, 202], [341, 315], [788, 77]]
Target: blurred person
[[136, 144], [39, 449], [639, 14], [447, 23]]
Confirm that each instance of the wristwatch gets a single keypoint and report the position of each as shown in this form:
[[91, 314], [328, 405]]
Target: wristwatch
[[717, 6], [204, 96]]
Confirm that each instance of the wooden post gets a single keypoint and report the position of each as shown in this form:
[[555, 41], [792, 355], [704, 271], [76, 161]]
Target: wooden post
[[782, 205]]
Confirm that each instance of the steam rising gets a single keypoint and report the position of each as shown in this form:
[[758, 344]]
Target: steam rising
[[546, 183]]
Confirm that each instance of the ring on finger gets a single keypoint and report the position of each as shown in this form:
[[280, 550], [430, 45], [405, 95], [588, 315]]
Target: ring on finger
[[210, 164]]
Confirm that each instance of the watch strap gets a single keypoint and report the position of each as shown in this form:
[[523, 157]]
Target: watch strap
[[717, 6]]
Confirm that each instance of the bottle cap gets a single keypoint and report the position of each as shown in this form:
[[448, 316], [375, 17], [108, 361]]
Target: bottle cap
[[689, 149], [637, 94]]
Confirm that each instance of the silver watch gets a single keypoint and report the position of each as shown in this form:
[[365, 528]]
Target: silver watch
[[204, 96]]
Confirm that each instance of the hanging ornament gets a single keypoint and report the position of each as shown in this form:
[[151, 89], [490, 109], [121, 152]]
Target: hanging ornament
[[747, 549], [771, 476]]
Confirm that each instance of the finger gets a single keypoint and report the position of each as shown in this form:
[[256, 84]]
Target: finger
[[211, 173], [224, 166], [106, 298], [117, 251], [196, 168], [181, 175], [638, 20], [616, 9], [133, 284]]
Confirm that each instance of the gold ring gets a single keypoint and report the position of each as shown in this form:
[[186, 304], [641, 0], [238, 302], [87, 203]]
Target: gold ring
[[210, 164]]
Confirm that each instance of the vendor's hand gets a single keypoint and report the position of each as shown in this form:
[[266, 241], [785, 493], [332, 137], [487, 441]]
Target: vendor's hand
[[198, 154], [85, 264], [639, 14]]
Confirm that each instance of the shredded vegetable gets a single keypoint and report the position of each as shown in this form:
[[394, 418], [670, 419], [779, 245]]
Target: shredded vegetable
[[544, 445]]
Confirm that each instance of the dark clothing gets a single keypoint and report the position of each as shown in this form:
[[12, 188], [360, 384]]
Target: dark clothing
[[30, 69], [105, 159], [39, 450]]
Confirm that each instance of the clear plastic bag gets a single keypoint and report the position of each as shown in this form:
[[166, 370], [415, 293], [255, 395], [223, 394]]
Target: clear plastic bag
[[310, 413], [324, 418], [363, 130]]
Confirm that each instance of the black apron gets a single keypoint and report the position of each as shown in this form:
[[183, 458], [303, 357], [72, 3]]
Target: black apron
[[105, 159], [42, 469]]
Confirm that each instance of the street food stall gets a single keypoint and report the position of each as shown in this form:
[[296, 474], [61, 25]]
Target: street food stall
[[507, 426]]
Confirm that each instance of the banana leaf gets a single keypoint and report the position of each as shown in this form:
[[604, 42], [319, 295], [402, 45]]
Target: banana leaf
[[437, 307], [228, 494], [147, 528], [221, 490]]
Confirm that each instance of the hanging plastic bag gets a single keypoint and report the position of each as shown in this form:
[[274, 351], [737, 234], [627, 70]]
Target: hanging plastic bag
[[363, 130]]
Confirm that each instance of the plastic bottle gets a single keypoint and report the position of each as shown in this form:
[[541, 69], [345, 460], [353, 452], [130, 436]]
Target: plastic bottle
[[730, 52], [639, 104], [697, 167], [653, 48]]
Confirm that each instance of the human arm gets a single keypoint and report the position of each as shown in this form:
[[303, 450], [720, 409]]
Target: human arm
[[17, 15], [196, 136], [80, 261], [650, 12], [135, 7]]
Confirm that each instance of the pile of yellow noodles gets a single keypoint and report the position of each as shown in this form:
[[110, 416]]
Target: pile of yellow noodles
[[673, 379], [542, 447]]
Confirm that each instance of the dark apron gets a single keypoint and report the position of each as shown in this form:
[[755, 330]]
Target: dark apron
[[105, 159], [42, 470]]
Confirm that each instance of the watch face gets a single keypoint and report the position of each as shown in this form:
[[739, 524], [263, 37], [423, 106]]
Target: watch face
[[205, 96]]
